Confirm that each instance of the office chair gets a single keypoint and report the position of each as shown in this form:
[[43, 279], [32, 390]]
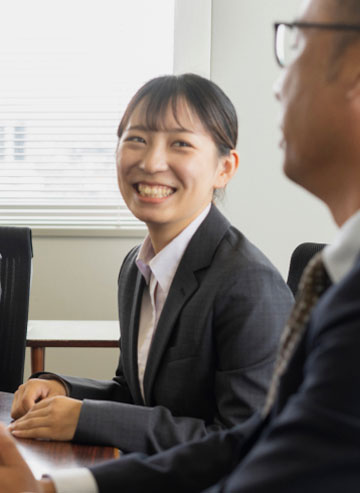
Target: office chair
[[15, 272], [299, 259]]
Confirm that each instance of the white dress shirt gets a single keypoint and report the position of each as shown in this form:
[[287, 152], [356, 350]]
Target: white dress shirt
[[158, 271], [341, 255]]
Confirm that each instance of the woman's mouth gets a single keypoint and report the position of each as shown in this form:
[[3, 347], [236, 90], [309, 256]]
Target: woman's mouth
[[154, 191]]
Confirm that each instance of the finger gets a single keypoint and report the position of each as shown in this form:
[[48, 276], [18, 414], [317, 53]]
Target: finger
[[9, 454], [24, 400], [41, 406], [41, 414], [40, 427], [33, 392], [41, 409], [41, 432], [32, 395], [50, 402], [16, 406], [31, 420]]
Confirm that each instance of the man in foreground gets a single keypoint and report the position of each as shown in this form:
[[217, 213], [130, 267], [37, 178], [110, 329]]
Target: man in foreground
[[308, 437]]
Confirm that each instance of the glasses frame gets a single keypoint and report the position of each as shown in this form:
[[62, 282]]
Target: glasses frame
[[310, 25]]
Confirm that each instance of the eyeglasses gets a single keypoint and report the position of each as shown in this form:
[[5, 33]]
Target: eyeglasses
[[289, 43]]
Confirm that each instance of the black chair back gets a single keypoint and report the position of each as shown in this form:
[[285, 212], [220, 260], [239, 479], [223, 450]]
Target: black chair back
[[15, 272], [299, 260]]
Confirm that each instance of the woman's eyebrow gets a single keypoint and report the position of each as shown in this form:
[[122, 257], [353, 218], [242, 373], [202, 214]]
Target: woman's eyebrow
[[144, 128]]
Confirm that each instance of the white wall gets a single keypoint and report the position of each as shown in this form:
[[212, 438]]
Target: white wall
[[274, 213], [75, 278]]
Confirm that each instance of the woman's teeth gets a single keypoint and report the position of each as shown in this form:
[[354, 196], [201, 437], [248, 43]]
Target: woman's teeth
[[155, 192]]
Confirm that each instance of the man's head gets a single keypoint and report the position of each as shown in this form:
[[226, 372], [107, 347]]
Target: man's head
[[320, 95]]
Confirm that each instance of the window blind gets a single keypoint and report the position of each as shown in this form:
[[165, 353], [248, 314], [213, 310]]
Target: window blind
[[61, 100], [57, 164]]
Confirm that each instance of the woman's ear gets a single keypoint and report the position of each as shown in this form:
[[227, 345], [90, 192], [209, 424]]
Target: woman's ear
[[227, 168]]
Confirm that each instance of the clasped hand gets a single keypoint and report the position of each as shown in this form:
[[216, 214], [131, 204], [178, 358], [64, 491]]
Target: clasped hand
[[42, 410]]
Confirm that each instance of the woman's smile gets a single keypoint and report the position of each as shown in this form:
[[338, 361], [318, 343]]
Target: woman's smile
[[154, 191]]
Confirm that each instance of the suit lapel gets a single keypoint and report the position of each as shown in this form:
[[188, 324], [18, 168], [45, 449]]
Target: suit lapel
[[179, 293], [198, 255], [129, 342]]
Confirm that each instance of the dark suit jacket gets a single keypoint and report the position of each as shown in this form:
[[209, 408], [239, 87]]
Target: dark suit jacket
[[311, 441], [212, 353]]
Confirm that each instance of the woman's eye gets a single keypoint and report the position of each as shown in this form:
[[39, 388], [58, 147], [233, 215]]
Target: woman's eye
[[181, 143], [135, 138]]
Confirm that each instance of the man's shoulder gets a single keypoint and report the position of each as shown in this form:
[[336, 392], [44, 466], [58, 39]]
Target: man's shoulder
[[339, 307]]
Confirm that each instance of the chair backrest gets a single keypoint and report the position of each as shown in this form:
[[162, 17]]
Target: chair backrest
[[15, 273], [299, 260]]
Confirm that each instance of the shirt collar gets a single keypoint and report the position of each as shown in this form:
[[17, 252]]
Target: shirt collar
[[146, 253], [165, 263], [340, 256]]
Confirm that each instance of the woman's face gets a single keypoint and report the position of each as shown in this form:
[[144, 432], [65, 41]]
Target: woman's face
[[167, 177]]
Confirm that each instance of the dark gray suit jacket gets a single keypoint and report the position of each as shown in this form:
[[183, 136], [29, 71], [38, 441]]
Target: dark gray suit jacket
[[310, 442], [212, 353]]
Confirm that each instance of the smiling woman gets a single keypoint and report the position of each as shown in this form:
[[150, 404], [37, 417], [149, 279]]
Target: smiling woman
[[200, 307], [169, 167]]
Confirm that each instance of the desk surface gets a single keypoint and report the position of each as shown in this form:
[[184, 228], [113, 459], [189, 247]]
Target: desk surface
[[44, 457]]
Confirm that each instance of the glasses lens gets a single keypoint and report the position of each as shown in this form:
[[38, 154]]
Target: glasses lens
[[280, 44], [287, 44]]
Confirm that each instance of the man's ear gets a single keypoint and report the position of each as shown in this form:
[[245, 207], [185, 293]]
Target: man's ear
[[354, 90], [353, 78], [227, 168]]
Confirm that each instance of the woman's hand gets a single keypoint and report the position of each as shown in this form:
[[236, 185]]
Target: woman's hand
[[53, 418], [34, 390]]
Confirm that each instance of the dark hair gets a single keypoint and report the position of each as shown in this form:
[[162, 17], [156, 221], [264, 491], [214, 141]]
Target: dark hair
[[214, 109]]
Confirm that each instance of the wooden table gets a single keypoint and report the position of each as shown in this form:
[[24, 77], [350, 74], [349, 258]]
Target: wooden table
[[68, 333], [45, 457]]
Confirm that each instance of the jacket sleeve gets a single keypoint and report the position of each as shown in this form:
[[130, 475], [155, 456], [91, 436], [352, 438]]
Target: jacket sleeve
[[87, 388], [188, 467], [102, 390]]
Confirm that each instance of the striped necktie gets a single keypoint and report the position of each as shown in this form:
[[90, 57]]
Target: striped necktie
[[313, 283]]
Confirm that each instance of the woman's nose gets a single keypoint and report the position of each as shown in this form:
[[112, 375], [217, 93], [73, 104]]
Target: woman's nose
[[154, 160]]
